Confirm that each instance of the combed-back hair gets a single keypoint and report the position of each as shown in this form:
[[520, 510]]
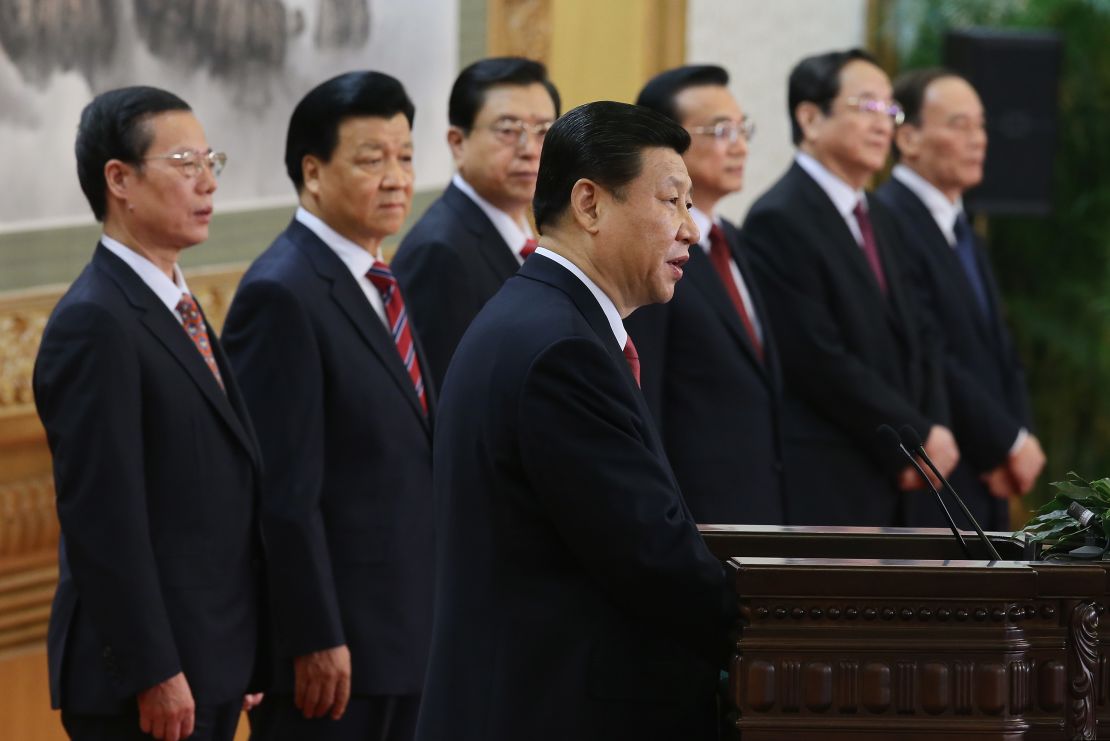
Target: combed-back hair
[[909, 93], [115, 126], [661, 92], [816, 79], [602, 142], [468, 94], [314, 125]]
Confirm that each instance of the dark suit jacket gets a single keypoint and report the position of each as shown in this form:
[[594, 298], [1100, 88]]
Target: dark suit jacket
[[449, 264], [985, 379], [852, 359], [717, 405], [575, 597], [346, 499], [155, 469]]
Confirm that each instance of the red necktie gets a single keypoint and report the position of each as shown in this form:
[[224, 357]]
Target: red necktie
[[719, 256], [633, 359], [382, 278], [193, 323], [870, 249], [528, 248]]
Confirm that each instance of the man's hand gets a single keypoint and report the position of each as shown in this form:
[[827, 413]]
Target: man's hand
[[322, 682], [1000, 483], [167, 710], [941, 447], [1026, 464]]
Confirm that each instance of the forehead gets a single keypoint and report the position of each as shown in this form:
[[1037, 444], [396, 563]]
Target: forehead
[[358, 131], [861, 78], [707, 101], [952, 96], [660, 167], [530, 101], [175, 130]]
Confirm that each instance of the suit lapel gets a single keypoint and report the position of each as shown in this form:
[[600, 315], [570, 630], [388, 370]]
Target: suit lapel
[[703, 278], [166, 329], [492, 250], [347, 294]]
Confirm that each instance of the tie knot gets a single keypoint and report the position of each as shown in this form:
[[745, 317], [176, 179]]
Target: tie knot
[[961, 228], [381, 276], [859, 211], [187, 307], [529, 247]]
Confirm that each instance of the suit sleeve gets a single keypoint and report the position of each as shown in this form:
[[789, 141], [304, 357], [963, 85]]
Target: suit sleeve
[[612, 500], [272, 347], [88, 392], [439, 299], [816, 362]]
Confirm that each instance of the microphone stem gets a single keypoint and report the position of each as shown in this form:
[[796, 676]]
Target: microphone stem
[[960, 502], [940, 501]]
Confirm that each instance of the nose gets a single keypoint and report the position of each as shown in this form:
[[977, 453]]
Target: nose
[[530, 144], [688, 232], [207, 181], [396, 176]]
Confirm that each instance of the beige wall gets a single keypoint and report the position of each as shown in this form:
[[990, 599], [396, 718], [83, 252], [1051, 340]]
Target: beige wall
[[758, 42]]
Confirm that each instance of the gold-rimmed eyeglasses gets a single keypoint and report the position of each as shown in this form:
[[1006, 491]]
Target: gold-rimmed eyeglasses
[[190, 162], [514, 132], [890, 109], [728, 131]]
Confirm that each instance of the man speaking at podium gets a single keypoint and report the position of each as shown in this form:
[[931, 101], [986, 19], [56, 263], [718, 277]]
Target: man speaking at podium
[[575, 598]]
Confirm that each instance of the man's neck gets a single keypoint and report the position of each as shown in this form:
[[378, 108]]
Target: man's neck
[[952, 194], [163, 258], [583, 258], [855, 178]]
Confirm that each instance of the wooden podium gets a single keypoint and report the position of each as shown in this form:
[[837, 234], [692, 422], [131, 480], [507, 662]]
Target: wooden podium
[[881, 633]]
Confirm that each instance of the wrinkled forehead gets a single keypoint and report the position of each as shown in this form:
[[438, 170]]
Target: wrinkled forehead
[[525, 102], [862, 79]]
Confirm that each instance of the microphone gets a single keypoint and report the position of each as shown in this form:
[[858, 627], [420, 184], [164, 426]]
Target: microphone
[[913, 440], [1080, 514], [886, 432]]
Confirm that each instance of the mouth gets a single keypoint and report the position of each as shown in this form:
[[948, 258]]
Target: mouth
[[204, 214], [676, 264]]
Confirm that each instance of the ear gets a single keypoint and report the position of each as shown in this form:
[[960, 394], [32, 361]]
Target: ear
[[908, 138], [117, 177], [585, 202], [809, 117], [310, 174], [456, 140]]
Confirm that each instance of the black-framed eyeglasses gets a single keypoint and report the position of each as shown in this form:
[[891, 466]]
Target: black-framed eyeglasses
[[728, 131], [190, 162], [890, 109], [514, 132]]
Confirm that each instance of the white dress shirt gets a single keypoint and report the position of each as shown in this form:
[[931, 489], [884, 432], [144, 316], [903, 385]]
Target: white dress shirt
[[620, 334], [356, 258], [514, 234], [168, 291], [843, 196], [704, 222]]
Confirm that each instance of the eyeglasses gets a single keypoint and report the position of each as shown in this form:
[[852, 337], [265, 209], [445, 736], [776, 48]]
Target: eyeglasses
[[728, 130], [514, 132], [893, 111], [191, 162]]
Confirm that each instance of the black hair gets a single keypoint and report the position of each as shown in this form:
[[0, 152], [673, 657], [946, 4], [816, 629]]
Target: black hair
[[114, 127], [468, 94], [816, 79], [314, 125], [909, 93], [602, 142], [660, 92]]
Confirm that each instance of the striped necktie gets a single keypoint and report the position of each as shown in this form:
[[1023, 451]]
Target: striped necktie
[[382, 278]]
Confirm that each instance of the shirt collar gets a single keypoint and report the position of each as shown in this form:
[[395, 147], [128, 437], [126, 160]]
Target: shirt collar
[[168, 291], [843, 196], [943, 210], [356, 258], [620, 334], [505, 225], [704, 222]]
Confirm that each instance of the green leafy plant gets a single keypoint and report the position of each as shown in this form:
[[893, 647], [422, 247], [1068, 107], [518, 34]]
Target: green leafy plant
[[1056, 530]]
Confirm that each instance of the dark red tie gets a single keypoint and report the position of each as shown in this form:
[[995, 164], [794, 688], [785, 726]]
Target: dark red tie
[[382, 278], [633, 359], [870, 249], [721, 259], [198, 333], [528, 248]]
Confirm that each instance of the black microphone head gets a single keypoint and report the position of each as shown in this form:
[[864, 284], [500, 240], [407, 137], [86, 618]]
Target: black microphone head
[[910, 438], [887, 434]]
